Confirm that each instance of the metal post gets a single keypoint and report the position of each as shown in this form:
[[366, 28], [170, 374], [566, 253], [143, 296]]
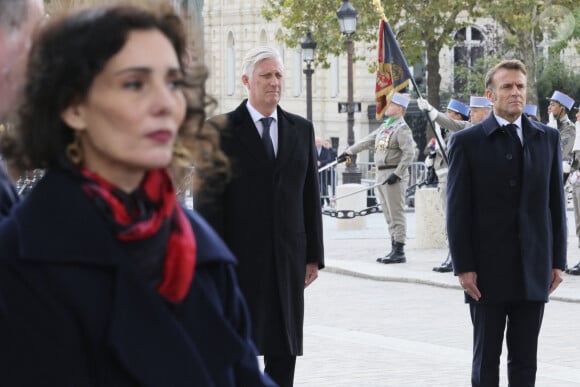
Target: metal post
[[351, 174], [308, 71]]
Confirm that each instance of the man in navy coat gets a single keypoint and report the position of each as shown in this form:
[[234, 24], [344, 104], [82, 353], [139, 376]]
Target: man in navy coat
[[507, 226]]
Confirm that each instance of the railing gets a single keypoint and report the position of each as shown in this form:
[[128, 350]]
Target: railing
[[331, 177]]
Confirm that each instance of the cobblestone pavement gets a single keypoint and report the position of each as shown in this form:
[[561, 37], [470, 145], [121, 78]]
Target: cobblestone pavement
[[369, 324]]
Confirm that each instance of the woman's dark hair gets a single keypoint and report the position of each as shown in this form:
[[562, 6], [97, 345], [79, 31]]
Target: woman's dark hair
[[64, 60]]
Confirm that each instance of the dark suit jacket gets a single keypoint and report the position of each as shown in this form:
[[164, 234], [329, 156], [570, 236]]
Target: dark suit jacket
[[506, 217], [270, 217], [75, 311], [324, 157]]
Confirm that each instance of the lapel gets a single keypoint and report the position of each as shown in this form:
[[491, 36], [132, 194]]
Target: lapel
[[245, 130], [286, 138], [145, 333], [530, 129]]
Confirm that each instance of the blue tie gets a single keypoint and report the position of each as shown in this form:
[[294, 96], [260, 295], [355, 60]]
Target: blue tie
[[266, 139]]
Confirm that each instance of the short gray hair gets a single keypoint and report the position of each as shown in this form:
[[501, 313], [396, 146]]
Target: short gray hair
[[13, 13], [256, 55]]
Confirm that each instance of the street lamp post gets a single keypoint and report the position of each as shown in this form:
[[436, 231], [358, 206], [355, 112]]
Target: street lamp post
[[347, 15], [308, 46]]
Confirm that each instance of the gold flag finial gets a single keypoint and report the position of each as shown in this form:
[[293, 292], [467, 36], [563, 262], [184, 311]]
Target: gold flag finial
[[380, 10]]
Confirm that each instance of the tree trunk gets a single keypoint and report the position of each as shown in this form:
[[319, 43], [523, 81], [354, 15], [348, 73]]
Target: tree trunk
[[528, 55], [433, 76]]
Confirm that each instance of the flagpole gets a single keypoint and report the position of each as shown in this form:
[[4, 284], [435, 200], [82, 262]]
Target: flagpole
[[381, 12], [441, 148]]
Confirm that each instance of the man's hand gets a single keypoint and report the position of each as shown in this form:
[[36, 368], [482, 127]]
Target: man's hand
[[311, 274], [392, 179], [468, 282], [556, 279]]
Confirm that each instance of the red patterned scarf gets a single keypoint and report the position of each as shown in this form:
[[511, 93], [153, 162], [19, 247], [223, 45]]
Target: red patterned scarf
[[132, 225]]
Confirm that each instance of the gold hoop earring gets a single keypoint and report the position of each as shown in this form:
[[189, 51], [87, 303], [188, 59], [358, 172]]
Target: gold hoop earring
[[74, 152]]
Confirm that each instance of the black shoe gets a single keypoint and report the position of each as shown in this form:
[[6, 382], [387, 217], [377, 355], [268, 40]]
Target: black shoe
[[398, 255], [380, 259], [575, 270], [396, 259], [446, 266]]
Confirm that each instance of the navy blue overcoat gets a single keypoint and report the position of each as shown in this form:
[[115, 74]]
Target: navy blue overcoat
[[74, 310], [506, 214]]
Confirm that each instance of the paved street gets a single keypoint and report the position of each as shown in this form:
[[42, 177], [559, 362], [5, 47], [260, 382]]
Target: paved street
[[369, 324]]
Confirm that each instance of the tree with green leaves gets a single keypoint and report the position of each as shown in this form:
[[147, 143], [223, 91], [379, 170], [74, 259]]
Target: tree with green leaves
[[526, 23], [423, 26]]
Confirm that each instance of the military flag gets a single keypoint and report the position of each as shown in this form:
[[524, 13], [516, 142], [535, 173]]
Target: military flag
[[392, 73]]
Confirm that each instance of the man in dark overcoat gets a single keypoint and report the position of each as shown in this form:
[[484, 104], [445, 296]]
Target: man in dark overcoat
[[269, 215], [324, 157], [507, 226]]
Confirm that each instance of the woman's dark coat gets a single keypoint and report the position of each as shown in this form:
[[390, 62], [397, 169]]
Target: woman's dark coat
[[74, 311]]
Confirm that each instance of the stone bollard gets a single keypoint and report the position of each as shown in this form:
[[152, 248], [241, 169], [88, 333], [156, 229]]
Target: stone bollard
[[430, 219], [355, 202]]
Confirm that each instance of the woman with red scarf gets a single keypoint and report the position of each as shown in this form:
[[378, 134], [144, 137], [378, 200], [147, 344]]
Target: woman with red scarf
[[105, 280]]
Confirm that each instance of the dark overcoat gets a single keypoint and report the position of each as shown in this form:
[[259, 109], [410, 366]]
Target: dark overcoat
[[75, 311], [270, 217], [506, 214]]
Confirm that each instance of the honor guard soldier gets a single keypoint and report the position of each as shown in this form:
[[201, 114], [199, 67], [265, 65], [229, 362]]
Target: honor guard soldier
[[456, 118], [531, 111], [394, 151], [575, 181], [558, 108]]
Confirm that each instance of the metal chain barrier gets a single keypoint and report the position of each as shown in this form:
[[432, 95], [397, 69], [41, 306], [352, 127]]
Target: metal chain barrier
[[350, 214]]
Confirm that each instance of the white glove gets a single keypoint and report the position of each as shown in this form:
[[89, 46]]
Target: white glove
[[424, 105], [552, 122], [565, 167], [433, 115]]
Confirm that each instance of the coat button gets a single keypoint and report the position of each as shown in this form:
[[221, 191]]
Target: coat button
[[509, 156], [513, 183]]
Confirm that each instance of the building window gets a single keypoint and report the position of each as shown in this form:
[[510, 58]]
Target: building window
[[231, 65], [297, 75], [467, 51], [263, 38], [334, 77]]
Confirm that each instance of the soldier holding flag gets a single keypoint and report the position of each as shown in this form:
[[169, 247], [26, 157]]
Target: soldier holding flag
[[394, 151]]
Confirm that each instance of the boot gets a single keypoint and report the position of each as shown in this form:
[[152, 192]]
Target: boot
[[380, 259], [446, 266], [398, 255]]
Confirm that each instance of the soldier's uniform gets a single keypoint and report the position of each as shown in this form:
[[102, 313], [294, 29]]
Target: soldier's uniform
[[559, 119], [565, 126], [443, 120], [394, 151]]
